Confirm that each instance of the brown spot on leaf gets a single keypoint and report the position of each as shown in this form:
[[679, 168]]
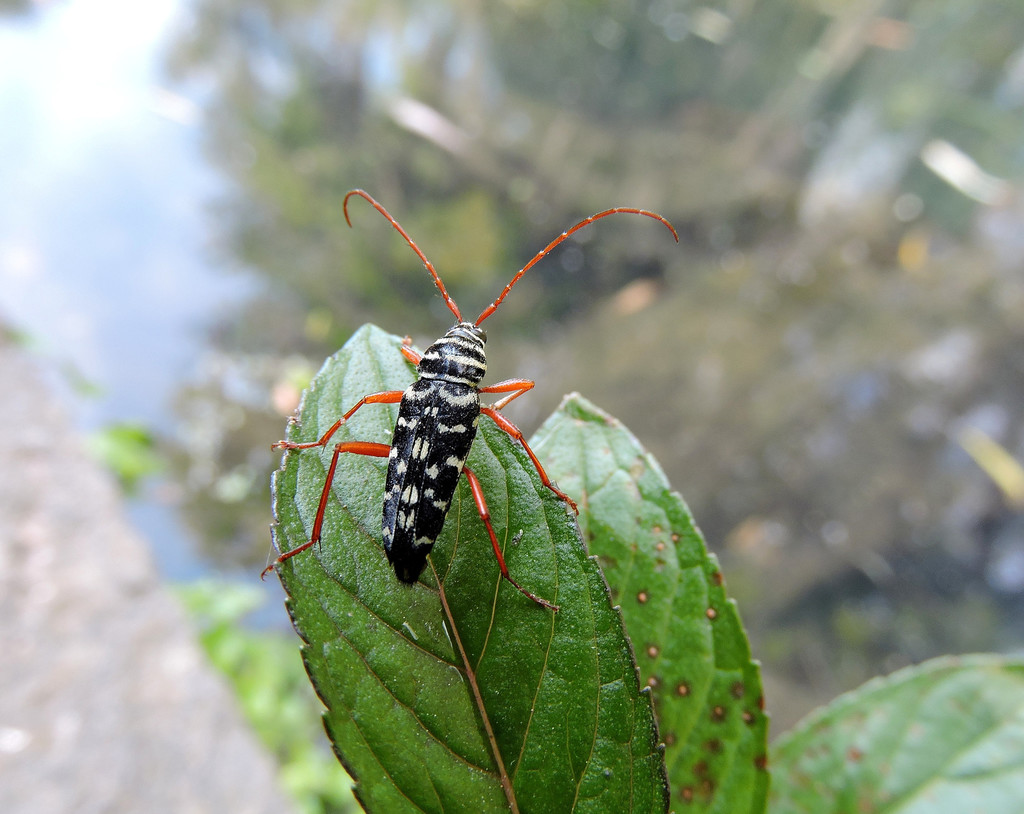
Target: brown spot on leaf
[[714, 745], [682, 689], [738, 690], [686, 794], [642, 597], [718, 713], [711, 613], [652, 651], [761, 762]]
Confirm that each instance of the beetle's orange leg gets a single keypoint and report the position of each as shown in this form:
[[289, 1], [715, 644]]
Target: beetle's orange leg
[[356, 448], [387, 397], [507, 426], [516, 386], [408, 352], [485, 515]]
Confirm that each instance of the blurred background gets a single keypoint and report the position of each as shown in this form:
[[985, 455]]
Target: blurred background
[[830, 366]]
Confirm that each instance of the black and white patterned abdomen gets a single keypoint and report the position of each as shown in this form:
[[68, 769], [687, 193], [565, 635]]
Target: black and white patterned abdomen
[[437, 423]]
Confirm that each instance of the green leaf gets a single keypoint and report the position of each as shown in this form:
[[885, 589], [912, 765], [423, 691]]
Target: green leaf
[[945, 736], [459, 693], [690, 645]]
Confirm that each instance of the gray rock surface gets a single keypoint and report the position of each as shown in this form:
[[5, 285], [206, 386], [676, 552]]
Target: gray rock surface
[[106, 701]]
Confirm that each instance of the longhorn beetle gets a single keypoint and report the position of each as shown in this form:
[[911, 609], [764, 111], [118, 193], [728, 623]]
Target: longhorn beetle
[[437, 422]]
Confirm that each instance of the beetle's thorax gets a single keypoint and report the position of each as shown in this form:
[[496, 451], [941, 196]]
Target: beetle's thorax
[[458, 356]]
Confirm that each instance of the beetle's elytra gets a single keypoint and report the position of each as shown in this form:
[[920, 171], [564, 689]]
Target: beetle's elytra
[[437, 422], [436, 426]]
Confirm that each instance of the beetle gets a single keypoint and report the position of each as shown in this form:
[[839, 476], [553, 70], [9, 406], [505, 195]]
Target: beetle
[[437, 422]]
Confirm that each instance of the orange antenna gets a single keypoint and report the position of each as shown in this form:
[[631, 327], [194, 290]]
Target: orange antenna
[[490, 309], [398, 227]]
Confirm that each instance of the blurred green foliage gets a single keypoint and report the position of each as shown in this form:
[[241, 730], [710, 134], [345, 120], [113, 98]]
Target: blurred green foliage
[[266, 673], [129, 451]]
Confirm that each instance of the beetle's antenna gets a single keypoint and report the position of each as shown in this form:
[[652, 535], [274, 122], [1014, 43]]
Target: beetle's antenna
[[490, 309], [398, 227]]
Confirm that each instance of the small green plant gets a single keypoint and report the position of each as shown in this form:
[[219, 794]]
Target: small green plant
[[129, 451], [639, 694], [273, 691]]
